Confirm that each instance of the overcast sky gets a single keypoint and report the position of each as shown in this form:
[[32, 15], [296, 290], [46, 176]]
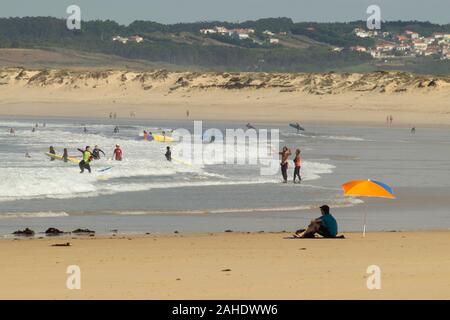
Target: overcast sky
[[172, 11]]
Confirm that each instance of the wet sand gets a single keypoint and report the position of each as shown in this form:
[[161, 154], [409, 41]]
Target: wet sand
[[414, 265]]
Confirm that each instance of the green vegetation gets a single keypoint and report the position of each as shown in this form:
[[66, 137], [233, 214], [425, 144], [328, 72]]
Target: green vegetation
[[181, 44]]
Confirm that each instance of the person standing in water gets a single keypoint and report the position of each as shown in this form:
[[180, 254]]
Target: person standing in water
[[168, 154], [65, 155], [87, 158], [284, 162], [53, 152], [117, 154], [96, 153], [116, 129], [145, 135], [298, 165], [85, 129]]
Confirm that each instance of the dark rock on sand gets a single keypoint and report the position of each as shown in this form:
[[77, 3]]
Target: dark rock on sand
[[85, 231], [26, 232], [53, 232]]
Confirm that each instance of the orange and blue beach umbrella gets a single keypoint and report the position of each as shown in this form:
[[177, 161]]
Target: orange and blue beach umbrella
[[367, 188]]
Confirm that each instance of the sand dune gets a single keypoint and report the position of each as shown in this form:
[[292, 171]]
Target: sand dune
[[161, 94]]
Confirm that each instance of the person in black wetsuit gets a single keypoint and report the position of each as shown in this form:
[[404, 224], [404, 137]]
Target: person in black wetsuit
[[96, 153], [52, 151], [65, 155], [168, 154]]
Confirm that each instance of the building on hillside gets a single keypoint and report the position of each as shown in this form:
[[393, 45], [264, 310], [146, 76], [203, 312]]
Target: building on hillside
[[208, 31], [358, 49], [274, 41], [238, 35], [268, 33], [123, 40], [412, 35], [136, 38]]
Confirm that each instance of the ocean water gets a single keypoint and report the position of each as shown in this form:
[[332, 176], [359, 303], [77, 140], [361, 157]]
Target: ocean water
[[146, 193]]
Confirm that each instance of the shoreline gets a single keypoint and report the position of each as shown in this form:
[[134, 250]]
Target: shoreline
[[229, 266], [269, 121]]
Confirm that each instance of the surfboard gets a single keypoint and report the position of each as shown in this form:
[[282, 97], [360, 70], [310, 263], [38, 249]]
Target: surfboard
[[104, 169], [296, 126], [161, 138], [60, 157]]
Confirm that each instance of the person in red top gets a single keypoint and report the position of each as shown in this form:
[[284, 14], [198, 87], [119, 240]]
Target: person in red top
[[298, 165], [117, 155]]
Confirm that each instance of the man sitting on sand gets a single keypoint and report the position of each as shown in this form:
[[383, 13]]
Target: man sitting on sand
[[326, 226]]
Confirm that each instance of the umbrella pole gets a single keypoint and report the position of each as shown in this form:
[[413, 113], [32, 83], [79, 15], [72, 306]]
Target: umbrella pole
[[365, 220]]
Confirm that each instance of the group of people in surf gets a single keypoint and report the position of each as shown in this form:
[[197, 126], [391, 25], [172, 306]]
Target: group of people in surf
[[285, 154], [88, 155]]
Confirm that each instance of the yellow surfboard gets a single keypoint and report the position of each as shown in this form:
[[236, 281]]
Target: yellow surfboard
[[161, 138], [60, 157]]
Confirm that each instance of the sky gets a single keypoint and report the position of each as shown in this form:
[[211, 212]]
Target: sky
[[173, 11]]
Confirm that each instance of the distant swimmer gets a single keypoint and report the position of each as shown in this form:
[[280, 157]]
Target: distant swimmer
[[117, 154], [187, 113], [116, 129], [168, 154], [36, 125], [33, 130], [96, 153], [52, 151], [27, 155], [297, 166], [65, 155], [11, 131], [85, 130], [213, 138], [87, 158], [413, 130], [249, 126], [284, 162]]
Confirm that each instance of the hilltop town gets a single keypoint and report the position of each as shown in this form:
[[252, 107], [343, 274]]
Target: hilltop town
[[406, 44]]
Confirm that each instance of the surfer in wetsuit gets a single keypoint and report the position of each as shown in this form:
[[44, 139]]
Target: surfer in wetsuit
[[249, 126], [116, 129], [284, 162], [87, 157], [52, 151], [11, 131], [85, 129], [96, 153], [298, 165], [168, 154], [117, 154], [65, 155]]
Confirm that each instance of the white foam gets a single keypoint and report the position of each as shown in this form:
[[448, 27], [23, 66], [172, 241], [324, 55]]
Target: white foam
[[9, 215], [144, 166]]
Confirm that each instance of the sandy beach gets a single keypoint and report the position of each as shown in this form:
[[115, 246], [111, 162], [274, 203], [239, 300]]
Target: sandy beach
[[414, 265], [255, 97]]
